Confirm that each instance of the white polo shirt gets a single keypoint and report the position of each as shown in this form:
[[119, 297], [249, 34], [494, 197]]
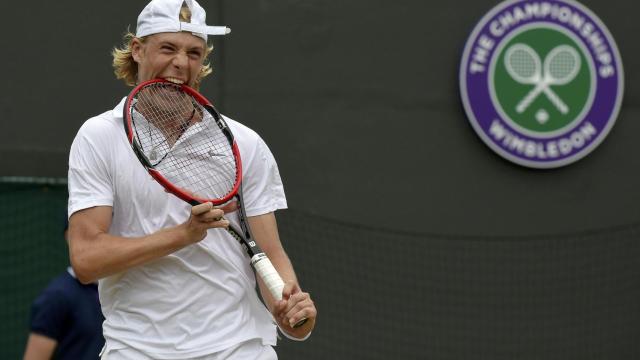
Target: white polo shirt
[[198, 300]]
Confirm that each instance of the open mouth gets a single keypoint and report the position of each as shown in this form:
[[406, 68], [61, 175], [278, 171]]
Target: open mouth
[[174, 80]]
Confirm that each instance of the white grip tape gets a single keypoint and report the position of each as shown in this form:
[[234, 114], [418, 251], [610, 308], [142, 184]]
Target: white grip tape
[[269, 275]]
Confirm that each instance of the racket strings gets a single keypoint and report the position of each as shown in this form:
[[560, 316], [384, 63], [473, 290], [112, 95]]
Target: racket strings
[[562, 65], [183, 142], [523, 64]]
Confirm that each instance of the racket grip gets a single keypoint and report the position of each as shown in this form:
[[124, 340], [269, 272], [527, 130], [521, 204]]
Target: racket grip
[[271, 278], [269, 275]]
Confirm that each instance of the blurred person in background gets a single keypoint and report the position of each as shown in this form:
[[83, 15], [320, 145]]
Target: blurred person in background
[[66, 320]]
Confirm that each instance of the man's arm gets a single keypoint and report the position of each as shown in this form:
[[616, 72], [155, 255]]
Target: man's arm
[[39, 347], [295, 304], [95, 253]]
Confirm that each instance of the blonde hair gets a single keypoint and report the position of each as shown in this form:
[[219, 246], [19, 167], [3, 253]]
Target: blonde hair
[[126, 68]]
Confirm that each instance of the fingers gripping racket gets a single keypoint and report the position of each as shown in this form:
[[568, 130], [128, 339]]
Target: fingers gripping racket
[[187, 147]]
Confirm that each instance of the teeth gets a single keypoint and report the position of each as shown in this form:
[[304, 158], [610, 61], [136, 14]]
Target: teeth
[[174, 80]]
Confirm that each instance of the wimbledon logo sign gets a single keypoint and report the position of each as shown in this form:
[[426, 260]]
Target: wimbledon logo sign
[[541, 81]]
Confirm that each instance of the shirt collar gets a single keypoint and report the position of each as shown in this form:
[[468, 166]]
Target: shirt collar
[[71, 272], [117, 111]]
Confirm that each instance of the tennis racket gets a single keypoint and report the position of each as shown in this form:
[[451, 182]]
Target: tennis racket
[[187, 147]]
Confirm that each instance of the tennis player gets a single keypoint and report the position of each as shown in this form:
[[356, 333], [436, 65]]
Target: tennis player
[[173, 283]]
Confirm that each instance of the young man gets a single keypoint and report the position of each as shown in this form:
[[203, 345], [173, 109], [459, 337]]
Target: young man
[[173, 284]]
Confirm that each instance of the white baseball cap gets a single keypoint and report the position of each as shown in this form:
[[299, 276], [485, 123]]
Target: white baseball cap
[[164, 16]]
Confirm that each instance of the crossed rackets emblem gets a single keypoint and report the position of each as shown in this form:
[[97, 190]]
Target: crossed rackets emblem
[[560, 67]]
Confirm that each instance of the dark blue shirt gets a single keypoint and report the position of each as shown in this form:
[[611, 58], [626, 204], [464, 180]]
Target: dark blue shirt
[[69, 312]]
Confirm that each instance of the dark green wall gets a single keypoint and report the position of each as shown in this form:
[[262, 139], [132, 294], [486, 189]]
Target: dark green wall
[[358, 100]]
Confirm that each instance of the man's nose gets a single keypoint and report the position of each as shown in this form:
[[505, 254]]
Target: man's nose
[[180, 60]]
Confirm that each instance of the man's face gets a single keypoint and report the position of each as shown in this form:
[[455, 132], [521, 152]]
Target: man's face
[[176, 57]]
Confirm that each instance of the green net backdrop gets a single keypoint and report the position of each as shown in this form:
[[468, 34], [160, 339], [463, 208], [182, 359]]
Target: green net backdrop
[[386, 294], [32, 251]]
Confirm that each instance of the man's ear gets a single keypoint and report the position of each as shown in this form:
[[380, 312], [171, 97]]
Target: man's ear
[[137, 49]]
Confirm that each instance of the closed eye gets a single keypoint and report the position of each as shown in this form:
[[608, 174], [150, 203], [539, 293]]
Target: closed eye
[[167, 48], [195, 54]]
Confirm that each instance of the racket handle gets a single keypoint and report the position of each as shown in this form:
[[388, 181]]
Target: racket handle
[[271, 279], [532, 95], [300, 323], [269, 275]]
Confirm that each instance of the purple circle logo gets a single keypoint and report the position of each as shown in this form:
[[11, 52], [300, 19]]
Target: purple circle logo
[[541, 81]]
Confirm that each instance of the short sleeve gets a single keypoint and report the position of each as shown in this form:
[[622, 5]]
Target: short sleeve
[[262, 185], [49, 313], [89, 179]]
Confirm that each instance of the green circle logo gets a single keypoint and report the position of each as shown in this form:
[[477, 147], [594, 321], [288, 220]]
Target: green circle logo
[[542, 80]]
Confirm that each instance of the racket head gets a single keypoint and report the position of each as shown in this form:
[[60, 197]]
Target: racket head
[[562, 64], [183, 142], [523, 64]]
